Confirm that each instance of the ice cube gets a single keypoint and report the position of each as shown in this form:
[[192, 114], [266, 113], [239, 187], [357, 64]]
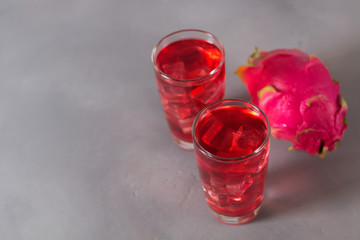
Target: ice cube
[[217, 191], [236, 138], [197, 92], [172, 94], [246, 183], [175, 70], [192, 54], [245, 140], [196, 64], [227, 141], [176, 111], [213, 195], [186, 124], [210, 134], [239, 188], [207, 93], [234, 189], [217, 185]]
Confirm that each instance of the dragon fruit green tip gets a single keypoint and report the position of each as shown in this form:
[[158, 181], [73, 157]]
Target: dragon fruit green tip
[[297, 94]]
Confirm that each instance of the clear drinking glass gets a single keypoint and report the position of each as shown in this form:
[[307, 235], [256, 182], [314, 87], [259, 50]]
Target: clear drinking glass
[[189, 68], [232, 142]]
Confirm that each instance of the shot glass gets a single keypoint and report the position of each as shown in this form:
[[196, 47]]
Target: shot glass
[[189, 68], [232, 142]]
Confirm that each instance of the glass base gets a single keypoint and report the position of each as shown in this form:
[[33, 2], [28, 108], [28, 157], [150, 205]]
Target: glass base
[[239, 219], [188, 146]]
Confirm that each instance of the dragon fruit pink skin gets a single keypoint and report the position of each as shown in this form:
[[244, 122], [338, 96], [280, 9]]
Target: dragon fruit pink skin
[[299, 97]]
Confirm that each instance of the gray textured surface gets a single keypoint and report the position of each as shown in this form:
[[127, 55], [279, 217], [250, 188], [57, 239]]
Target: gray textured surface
[[85, 151]]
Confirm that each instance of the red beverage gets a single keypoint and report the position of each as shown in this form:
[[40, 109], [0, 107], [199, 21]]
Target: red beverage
[[188, 59], [190, 73], [232, 147]]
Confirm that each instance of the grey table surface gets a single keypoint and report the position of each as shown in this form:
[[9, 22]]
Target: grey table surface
[[85, 151]]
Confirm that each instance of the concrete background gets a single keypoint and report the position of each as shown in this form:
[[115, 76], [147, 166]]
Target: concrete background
[[85, 151]]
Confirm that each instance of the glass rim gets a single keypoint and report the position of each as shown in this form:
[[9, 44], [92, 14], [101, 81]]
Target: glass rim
[[235, 159], [212, 72]]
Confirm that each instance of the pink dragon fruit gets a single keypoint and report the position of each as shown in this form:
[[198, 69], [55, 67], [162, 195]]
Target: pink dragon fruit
[[299, 97]]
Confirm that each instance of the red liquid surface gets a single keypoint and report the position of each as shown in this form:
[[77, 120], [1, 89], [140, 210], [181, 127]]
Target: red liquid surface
[[187, 61], [232, 187]]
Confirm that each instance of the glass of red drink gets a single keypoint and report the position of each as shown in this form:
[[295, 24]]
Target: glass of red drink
[[190, 72], [232, 142]]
